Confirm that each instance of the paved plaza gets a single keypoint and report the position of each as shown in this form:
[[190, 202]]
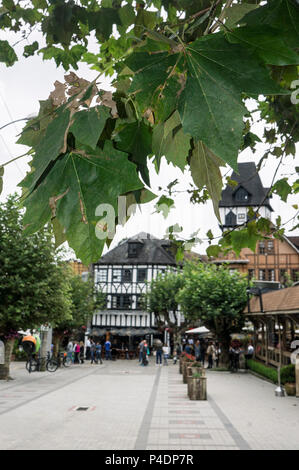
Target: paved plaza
[[122, 406]]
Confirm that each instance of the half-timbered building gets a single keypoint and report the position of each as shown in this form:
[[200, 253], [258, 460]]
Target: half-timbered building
[[123, 274]]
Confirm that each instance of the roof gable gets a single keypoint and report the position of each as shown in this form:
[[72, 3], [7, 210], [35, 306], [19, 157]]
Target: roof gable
[[151, 251], [249, 180]]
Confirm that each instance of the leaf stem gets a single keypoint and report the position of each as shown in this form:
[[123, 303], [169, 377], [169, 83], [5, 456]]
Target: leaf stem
[[13, 122], [16, 158]]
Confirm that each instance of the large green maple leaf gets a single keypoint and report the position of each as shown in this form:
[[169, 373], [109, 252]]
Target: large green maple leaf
[[210, 105], [135, 138], [74, 188], [89, 124], [204, 166], [170, 141], [280, 14], [154, 85], [267, 44], [210, 75]]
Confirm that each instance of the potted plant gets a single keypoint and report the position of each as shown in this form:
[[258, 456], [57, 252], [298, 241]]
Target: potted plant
[[290, 388], [186, 365], [197, 367], [288, 379]]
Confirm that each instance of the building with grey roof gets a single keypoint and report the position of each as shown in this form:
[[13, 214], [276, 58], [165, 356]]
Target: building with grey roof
[[247, 191], [124, 274]]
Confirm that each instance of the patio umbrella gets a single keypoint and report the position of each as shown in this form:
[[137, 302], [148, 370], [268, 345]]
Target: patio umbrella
[[199, 330]]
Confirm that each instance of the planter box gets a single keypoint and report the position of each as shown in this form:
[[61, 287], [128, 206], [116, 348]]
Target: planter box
[[185, 367], [197, 388], [290, 388], [198, 370]]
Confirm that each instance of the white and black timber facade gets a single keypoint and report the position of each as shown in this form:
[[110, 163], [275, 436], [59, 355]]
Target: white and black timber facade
[[123, 274]]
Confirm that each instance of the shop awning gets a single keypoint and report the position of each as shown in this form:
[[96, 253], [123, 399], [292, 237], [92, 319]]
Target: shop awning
[[123, 331]]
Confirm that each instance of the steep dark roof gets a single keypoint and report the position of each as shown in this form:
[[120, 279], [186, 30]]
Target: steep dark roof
[[294, 240], [249, 179], [151, 251]]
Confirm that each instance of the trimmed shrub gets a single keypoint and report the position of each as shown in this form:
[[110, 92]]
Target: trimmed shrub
[[287, 374], [261, 369]]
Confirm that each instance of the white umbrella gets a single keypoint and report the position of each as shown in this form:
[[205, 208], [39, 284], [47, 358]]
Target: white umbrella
[[199, 330]]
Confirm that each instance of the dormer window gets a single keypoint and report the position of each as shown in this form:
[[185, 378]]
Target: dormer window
[[241, 195], [230, 219], [133, 249]]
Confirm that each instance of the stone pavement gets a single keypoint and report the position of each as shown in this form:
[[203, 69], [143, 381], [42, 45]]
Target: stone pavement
[[128, 407]]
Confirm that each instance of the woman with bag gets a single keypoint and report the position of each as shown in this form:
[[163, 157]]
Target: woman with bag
[[144, 355], [165, 354]]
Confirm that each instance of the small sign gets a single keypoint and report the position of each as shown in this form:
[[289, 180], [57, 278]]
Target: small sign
[[2, 353]]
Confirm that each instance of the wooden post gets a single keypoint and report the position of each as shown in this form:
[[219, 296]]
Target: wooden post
[[2, 353], [266, 342], [297, 375]]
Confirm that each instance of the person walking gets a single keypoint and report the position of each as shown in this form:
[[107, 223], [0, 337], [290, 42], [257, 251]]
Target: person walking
[[159, 352], [249, 355], [176, 353], [140, 347], [197, 350], [87, 353], [203, 353], [92, 352], [211, 354], [99, 352], [69, 350], [77, 353], [234, 353], [165, 354], [108, 350], [218, 354], [144, 354], [81, 354]]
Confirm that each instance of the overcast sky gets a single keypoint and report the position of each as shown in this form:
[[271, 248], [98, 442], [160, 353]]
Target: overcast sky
[[31, 80]]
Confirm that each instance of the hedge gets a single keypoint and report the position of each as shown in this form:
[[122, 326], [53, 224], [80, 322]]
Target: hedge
[[261, 369], [287, 373]]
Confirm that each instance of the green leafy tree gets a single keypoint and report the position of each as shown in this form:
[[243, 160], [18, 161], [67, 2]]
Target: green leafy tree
[[85, 300], [216, 297], [161, 300], [183, 73], [33, 289]]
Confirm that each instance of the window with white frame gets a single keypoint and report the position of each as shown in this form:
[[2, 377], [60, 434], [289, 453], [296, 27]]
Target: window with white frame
[[101, 275]]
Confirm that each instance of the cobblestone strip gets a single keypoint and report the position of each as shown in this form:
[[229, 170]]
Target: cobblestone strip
[[173, 422], [144, 430]]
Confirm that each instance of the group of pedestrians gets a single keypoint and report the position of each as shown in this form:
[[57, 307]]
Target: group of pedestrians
[[161, 351], [234, 355], [204, 350], [93, 351], [75, 351], [144, 352]]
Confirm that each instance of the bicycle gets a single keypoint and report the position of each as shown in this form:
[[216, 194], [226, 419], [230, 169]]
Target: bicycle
[[54, 362], [34, 364]]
